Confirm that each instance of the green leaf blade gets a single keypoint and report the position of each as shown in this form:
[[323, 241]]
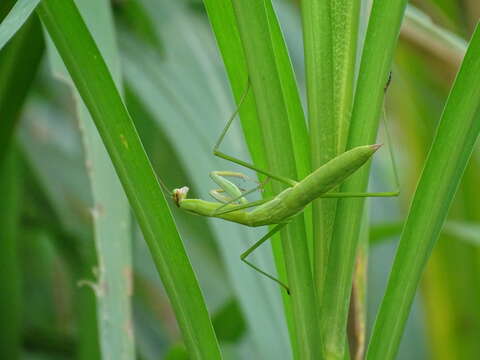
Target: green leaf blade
[[17, 16], [11, 275], [456, 135], [318, 49], [382, 34], [111, 212], [267, 69], [19, 62], [95, 84]]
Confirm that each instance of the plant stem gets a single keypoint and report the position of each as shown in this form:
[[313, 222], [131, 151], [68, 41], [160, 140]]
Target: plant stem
[[382, 34]]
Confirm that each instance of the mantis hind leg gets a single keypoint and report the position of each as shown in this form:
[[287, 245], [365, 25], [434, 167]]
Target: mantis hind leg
[[240, 162], [394, 193], [255, 246], [360, 194]]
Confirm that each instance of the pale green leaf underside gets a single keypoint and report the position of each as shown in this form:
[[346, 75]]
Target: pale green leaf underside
[[15, 19]]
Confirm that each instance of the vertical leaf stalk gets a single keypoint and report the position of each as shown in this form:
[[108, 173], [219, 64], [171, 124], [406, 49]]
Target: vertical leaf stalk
[[345, 19], [317, 37], [382, 34], [273, 111]]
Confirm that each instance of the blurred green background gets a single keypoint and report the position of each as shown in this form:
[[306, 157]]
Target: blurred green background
[[176, 90]]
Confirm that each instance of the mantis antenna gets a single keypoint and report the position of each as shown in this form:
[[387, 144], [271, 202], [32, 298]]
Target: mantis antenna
[[163, 186]]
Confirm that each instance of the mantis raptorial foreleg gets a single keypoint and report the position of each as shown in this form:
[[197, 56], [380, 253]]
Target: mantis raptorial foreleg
[[246, 205], [233, 193], [229, 193]]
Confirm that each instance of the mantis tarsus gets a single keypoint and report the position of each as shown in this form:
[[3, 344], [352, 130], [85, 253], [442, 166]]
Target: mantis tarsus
[[231, 204]]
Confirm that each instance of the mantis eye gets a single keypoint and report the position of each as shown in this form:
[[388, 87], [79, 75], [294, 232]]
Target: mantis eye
[[179, 194]]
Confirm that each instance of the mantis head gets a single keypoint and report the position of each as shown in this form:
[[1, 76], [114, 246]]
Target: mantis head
[[179, 195]]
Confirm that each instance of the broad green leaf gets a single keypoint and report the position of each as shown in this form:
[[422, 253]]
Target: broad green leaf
[[228, 322], [110, 210]]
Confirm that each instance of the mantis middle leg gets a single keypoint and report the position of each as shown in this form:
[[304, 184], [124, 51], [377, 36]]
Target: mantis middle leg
[[243, 257], [394, 193]]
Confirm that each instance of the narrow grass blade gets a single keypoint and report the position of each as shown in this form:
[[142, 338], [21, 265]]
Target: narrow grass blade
[[468, 232], [345, 23], [463, 231], [290, 92], [15, 19], [345, 36], [184, 91], [330, 37], [18, 65], [453, 144], [5, 7], [94, 83], [449, 292], [45, 212], [111, 213], [449, 289], [382, 33], [253, 19], [19, 62], [10, 276], [222, 20], [419, 29], [357, 315], [318, 48], [140, 23]]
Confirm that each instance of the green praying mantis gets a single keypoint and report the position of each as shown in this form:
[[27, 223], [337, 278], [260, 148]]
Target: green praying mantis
[[231, 204]]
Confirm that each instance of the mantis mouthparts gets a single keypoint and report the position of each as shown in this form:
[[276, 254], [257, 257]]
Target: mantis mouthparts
[[179, 194]]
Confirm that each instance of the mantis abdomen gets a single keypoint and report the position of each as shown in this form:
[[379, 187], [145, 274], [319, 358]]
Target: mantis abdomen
[[330, 175]]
